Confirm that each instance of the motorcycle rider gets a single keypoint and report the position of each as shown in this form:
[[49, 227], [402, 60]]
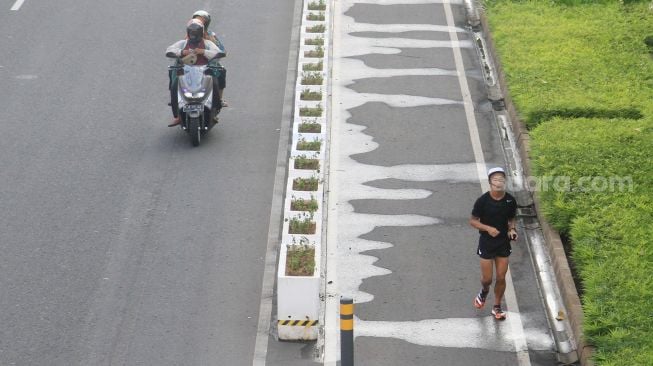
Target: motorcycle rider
[[195, 50], [205, 17]]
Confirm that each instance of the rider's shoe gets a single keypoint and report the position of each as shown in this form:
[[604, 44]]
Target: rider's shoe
[[176, 121], [224, 104], [216, 120]]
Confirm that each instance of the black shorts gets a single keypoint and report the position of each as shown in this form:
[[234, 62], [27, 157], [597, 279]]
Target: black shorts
[[493, 247]]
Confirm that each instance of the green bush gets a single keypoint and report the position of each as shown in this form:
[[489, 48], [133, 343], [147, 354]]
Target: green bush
[[602, 149], [581, 58], [612, 247], [581, 76]]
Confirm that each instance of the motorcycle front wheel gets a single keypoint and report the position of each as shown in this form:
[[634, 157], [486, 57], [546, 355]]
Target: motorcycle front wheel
[[194, 131]]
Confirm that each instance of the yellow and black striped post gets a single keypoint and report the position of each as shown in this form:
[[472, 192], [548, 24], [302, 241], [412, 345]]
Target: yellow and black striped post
[[346, 331]]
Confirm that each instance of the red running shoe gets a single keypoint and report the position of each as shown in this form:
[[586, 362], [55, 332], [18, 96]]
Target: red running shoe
[[498, 313]]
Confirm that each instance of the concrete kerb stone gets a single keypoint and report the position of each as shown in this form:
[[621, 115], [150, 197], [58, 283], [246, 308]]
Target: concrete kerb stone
[[298, 297], [553, 242]]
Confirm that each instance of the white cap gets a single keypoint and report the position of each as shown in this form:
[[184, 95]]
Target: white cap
[[496, 170]]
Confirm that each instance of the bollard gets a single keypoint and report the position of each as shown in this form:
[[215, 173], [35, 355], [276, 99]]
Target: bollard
[[346, 331]]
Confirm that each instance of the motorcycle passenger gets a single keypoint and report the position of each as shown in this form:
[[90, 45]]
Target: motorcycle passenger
[[195, 50], [205, 17]]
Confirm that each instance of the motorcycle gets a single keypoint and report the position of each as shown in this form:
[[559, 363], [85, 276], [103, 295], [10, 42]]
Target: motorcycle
[[195, 98]]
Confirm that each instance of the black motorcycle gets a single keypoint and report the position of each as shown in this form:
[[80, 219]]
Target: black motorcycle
[[196, 106]]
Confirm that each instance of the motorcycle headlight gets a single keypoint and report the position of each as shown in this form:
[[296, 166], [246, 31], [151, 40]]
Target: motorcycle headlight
[[197, 95]]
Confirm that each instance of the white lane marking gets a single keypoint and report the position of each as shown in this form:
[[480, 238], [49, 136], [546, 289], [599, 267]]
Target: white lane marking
[[269, 273], [514, 319], [17, 5]]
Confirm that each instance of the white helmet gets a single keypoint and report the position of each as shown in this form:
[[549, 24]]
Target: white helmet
[[206, 17]]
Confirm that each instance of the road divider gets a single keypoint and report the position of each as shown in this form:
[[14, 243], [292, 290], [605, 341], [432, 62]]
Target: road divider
[[298, 296]]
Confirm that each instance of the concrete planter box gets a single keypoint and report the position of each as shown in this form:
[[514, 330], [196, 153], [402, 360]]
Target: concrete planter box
[[298, 297], [298, 302]]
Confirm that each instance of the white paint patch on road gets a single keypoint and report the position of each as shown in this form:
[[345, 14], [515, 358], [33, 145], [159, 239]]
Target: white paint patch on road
[[483, 333], [454, 332], [356, 267], [405, 2], [400, 28], [358, 46], [356, 69], [395, 100], [27, 77], [17, 5]]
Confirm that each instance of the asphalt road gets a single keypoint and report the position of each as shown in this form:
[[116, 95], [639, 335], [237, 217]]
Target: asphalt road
[[404, 176], [122, 244]]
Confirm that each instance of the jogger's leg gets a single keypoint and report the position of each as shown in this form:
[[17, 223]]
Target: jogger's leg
[[486, 273], [500, 283]]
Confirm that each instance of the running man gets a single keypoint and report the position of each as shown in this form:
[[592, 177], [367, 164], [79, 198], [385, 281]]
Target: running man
[[494, 218]]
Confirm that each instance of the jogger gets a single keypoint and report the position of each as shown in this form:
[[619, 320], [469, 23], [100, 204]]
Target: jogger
[[493, 216]]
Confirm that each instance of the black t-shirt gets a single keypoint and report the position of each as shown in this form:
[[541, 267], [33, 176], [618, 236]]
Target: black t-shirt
[[495, 213]]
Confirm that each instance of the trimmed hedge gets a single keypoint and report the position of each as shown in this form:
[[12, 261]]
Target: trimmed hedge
[[613, 248], [581, 76], [601, 151], [583, 58]]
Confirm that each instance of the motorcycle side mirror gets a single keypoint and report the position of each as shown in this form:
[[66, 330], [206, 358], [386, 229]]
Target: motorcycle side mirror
[[171, 55]]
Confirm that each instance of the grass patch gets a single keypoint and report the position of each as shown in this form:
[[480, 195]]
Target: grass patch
[[305, 184], [315, 42], [302, 224], [300, 259], [318, 52], [300, 204], [307, 94], [312, 78], [538, 116], [310, 112], [304, 162], [574, 58], [317, 5], [314, 145], [315, 16], [317, 66], [311, 126], [581, 76], [613, 250], [320, 28]]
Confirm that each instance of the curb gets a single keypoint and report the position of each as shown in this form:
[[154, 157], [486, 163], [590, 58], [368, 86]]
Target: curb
[[500, 97], [298, 297]]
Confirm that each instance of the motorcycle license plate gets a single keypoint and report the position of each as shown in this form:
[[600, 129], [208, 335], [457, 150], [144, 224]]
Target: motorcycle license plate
[[193, 107]]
